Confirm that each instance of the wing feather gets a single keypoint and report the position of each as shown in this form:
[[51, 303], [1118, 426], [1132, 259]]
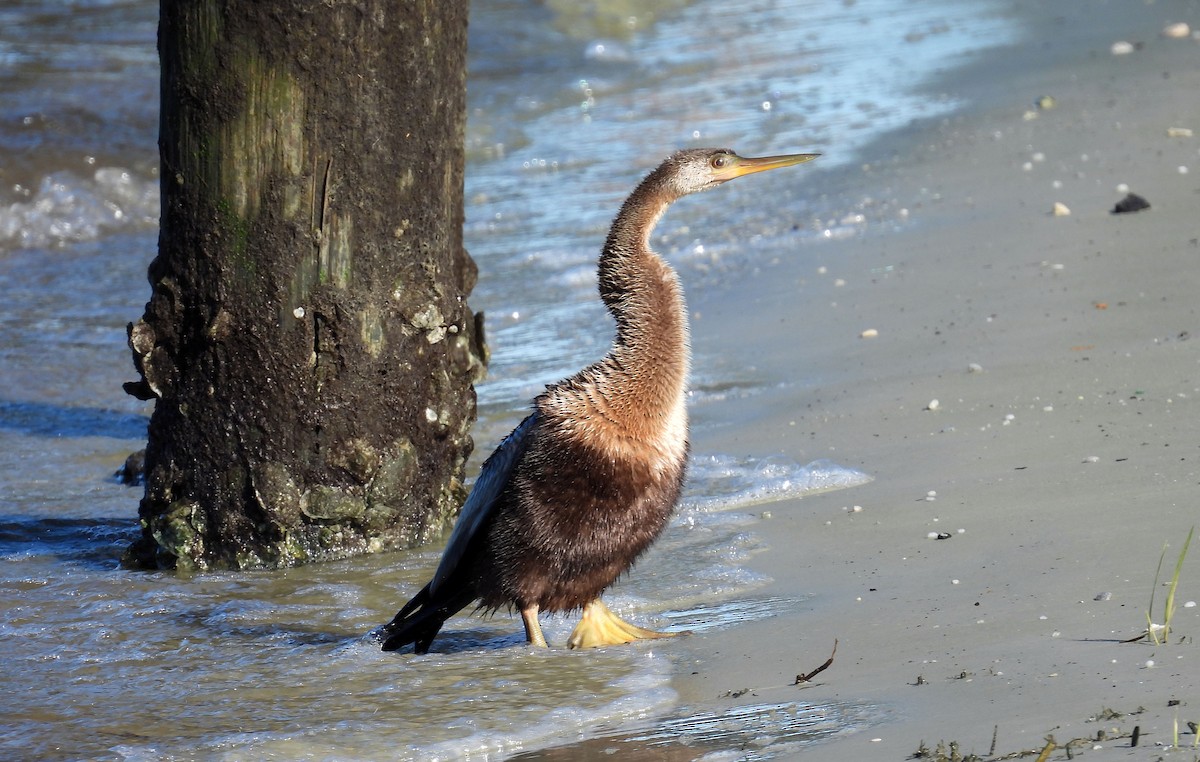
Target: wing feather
[[493, 478]]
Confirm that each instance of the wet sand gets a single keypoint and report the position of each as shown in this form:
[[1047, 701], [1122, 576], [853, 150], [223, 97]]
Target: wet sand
[[1064, 450]]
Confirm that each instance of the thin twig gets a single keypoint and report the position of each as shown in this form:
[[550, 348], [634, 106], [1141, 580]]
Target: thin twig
[[805, 678]]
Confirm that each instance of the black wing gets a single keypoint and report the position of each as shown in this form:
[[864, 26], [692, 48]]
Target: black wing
[[448, 593]]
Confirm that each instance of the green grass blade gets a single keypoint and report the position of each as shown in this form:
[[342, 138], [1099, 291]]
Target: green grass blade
[[1150, 609], [1169, 606]]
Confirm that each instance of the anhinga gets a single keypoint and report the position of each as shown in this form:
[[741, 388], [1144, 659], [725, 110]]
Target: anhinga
[[578, 491]]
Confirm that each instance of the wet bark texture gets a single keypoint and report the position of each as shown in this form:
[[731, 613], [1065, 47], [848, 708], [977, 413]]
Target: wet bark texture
[[308, 340]]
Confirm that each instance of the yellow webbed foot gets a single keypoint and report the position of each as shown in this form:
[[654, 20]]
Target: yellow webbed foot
[[600, 627]]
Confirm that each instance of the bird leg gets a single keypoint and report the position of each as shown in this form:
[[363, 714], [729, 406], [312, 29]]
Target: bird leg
[[533, 630], [600, 627]]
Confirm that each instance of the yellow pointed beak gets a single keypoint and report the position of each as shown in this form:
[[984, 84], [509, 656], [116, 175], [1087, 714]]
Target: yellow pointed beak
[[748, 166]]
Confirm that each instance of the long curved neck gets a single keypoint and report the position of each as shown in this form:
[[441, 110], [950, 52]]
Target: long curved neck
[[643, 295]]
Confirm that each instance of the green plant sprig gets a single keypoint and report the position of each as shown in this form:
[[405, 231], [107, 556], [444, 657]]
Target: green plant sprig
[[1153, 630]]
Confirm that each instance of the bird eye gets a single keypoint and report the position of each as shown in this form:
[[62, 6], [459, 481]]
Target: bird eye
[[718, 161]]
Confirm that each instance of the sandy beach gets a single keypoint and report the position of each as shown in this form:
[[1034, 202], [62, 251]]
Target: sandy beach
[[1063, 447], [1021, 387], [1031, 396]]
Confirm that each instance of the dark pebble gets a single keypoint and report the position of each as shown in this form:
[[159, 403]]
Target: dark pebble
[[1131, 203], [133, 472]]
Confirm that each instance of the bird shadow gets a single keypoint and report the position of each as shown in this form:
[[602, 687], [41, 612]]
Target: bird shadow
[[459, 641]]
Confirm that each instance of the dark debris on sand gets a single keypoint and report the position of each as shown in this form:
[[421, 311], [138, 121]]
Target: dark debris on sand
[[1131, 203]]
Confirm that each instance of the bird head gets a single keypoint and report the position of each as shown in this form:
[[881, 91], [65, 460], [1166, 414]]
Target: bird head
[[697, 169]]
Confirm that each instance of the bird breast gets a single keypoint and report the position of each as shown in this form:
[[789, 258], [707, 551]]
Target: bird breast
[[622, 425]]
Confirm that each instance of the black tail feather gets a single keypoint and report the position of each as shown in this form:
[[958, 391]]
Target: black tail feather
[[422, 618]]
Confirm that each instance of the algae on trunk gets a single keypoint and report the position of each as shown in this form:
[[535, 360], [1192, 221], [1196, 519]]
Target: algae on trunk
[[312, 159]]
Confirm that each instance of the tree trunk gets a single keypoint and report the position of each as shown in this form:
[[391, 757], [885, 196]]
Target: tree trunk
[[308, 340]]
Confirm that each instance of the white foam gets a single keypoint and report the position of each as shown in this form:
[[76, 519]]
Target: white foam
[[66, 208], [722, 482]]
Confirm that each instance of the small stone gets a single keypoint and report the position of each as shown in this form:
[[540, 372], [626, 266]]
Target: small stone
[[870, 333], [1131, 203], [133, 472], [1045, 102], [1178, 30], [933, 405], [298, 313], [1122, 48], [1061, 209], [974, 367], [1103, 596]]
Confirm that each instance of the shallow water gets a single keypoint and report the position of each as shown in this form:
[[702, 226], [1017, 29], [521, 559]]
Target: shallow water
[[568, 110]]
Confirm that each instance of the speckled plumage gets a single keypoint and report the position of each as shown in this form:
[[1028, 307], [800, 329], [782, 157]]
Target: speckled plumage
[[575, 495]]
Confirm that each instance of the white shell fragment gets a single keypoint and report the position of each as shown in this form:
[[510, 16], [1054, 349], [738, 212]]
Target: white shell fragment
[[1122, 48], [1179, 132], [870, 333], [933, 405], [1178, 30], [1061, 209]]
